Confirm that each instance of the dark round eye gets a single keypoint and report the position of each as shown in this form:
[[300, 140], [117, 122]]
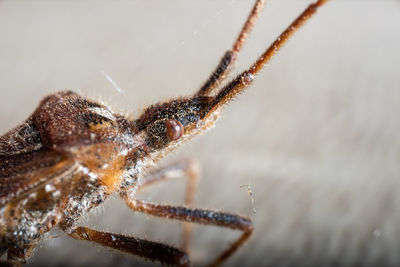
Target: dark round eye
[[174, 129]]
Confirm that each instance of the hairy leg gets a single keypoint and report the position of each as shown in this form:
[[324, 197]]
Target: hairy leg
[[140, 247], [185, 167], [16, 256], [207, 217]]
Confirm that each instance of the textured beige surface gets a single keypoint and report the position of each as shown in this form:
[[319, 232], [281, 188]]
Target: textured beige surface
[[316, 134]]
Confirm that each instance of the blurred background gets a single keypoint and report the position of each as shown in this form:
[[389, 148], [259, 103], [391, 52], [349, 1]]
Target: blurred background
[[315, 135]]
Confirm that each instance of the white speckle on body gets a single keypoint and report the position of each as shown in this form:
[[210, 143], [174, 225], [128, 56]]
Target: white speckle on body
[[49, 188]]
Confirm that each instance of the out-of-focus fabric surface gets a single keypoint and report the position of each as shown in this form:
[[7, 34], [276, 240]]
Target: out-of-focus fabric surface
[[316, 135]]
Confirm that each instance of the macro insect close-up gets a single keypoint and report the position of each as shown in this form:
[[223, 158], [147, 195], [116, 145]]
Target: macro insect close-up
[[304, 157]]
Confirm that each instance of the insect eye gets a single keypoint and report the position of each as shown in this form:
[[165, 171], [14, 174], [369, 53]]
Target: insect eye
[[174, 129]]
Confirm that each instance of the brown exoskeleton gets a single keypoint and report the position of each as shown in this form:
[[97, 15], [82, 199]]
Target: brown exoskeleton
[[72, 153]]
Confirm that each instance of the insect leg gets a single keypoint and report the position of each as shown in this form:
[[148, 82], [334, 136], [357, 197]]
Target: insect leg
[[207, 217], [186, 167], [230, 56], [177, 169], [19, 255], [140, 247]]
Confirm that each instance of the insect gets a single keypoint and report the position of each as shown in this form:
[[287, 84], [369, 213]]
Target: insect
[[72, 153]]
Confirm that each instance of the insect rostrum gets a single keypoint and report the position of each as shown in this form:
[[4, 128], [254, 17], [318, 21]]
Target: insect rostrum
[[72, 153]]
